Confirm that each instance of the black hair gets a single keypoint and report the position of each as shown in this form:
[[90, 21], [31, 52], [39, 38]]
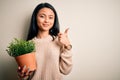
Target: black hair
[[33, 30]]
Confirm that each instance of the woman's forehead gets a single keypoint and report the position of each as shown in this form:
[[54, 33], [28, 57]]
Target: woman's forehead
[[47, 11]]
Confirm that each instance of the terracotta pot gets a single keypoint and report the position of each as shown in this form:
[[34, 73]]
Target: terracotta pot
[[27, 59]]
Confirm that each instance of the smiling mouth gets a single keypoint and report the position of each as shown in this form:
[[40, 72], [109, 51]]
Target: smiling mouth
[[45, 25]]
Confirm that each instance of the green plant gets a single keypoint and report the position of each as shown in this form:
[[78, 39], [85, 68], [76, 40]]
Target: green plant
[[19, 47]]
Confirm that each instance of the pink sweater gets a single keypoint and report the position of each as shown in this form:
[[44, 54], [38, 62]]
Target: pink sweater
[[52, 60]]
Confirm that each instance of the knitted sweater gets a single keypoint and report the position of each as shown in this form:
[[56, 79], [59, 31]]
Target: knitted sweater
[[52, 60]]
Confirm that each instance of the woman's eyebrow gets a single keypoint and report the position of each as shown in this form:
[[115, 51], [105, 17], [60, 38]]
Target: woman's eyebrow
[[45, 14]]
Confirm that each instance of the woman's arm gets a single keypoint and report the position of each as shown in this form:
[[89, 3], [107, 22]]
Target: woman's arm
[[65, 55], [65, 61]]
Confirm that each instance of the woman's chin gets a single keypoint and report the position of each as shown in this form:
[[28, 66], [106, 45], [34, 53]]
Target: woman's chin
[[44, 29]]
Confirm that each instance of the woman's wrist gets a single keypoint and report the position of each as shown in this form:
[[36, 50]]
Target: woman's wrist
[[68, 47]]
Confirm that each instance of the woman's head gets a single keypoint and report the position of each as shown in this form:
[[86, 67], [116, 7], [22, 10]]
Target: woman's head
[[44, 17], [45, 20]]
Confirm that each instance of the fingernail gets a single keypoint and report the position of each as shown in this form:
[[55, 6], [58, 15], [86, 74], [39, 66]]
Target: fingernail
[[24, 66], [19, 67], [28, 69]]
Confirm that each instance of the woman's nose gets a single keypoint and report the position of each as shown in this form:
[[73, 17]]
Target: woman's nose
[[46, 19]]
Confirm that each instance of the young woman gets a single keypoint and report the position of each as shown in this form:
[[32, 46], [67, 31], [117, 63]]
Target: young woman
[[53, 49]]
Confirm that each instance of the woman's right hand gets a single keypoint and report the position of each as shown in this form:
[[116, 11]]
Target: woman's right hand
[[23, 73]]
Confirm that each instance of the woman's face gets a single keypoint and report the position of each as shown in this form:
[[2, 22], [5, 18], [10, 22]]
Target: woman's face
[[45, 19]]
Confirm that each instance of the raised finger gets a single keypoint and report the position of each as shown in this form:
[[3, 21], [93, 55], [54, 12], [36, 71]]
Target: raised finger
[[23, 70], [28, 71]]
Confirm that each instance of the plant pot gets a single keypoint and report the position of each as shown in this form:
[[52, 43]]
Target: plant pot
[[27, 59]]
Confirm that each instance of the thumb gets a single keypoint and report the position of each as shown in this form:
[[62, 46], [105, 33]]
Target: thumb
[[66, 31]]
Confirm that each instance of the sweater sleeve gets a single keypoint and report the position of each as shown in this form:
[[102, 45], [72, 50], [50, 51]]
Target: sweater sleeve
[[65, 61]]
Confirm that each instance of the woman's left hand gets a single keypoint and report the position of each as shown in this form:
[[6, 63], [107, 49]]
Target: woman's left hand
[[63, 38]]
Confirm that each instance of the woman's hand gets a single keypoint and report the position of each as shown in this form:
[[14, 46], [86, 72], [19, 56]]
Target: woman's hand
[[63, 38], [23, 73]]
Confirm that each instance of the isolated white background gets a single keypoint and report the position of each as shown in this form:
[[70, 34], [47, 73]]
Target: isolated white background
[[94, 33]]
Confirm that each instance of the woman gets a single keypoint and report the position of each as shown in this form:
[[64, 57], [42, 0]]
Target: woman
[[53, 49]]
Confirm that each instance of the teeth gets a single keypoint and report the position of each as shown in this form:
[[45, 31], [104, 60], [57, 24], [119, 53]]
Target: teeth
[[46, 25]]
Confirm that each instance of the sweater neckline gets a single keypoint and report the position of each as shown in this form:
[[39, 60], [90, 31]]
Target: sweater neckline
[[48, 38]]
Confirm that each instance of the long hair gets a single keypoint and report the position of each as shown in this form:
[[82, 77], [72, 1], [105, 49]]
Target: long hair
[[33, 30]]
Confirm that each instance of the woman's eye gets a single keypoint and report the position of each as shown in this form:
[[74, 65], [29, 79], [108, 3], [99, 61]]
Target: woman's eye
[[50, 17], [41, 16]]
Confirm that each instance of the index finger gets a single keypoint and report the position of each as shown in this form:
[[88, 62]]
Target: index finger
[[23, 69]]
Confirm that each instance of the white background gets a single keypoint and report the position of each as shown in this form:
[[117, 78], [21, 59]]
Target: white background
[[94, 33]]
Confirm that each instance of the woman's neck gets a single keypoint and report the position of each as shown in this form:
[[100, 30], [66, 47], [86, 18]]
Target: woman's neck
[[43, 34]]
